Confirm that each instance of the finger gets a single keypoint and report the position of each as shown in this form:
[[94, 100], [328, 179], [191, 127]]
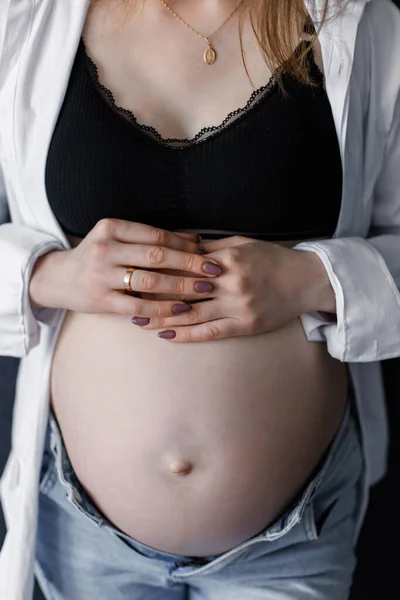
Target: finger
[[205, 332], [194, 237], [199, 313], [130, 232], [153, 282], [228, 242], [159, 257], [186, 298], [125, 304]]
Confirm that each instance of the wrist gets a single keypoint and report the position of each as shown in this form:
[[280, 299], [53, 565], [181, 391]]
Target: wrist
[[318, 292], [44, 284]]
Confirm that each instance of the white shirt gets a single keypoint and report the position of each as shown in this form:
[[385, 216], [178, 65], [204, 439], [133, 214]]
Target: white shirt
[[360, 50]]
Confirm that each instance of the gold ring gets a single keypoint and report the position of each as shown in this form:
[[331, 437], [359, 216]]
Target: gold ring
[[127, 279]]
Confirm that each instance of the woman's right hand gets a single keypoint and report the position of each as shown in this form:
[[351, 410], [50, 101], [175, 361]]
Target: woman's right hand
[[89, 278]]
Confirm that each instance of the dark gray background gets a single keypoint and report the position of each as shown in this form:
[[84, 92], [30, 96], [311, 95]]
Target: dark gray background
[[378, 550]]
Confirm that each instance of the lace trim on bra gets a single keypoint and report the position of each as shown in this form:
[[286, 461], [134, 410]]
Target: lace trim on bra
[[204, 133]]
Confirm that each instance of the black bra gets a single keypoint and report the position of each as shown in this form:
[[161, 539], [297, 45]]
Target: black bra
[[272, 169]]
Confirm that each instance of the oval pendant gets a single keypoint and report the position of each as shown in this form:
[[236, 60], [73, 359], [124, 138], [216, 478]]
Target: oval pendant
[[210, 56]]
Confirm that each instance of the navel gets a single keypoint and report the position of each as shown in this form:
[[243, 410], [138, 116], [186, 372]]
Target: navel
[[180, 467]]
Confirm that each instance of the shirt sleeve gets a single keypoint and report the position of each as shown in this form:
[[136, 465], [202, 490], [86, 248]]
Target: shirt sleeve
[[365, 275], [20, 247]]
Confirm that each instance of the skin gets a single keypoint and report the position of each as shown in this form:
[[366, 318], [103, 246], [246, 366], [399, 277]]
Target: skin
[[191, 448]]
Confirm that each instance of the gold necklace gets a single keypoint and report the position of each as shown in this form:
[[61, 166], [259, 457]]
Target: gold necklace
[[210, 55]]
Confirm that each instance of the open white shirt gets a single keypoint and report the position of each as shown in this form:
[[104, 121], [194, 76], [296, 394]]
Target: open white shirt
[[361, 56]]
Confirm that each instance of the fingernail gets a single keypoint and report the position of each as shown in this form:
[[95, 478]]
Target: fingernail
[[199, 238], [212, 268], [181, 308], [203, 286], [167, 335], [201, 251], [140, 321]]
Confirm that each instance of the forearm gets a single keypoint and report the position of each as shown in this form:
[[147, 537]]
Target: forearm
[[20, 248]]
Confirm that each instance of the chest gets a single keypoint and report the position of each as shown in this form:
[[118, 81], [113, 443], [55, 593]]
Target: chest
[[35, 82], [245, 174], [155, 67]]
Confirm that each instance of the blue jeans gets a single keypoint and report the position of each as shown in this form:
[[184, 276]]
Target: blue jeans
[[306, 553]]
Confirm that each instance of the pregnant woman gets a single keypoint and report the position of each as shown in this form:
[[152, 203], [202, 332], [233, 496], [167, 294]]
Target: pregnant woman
[[196, 442]]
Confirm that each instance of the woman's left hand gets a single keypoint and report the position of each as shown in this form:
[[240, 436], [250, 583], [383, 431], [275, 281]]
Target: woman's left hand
[[263, 286]]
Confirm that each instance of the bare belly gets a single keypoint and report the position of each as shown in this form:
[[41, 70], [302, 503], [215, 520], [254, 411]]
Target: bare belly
[[193, 448]]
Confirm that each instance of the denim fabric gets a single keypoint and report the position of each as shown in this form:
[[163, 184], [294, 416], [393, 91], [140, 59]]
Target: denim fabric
[[307, 552]]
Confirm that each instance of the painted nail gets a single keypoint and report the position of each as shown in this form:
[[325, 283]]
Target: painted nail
[[212, 269], [140, 321], [203, 286], [167, 335], [181, 308]]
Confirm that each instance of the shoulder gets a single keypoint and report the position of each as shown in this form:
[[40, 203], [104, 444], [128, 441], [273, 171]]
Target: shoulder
[[382, 10], [15, 21], [380, 27], [376, 55], [13, 11]]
